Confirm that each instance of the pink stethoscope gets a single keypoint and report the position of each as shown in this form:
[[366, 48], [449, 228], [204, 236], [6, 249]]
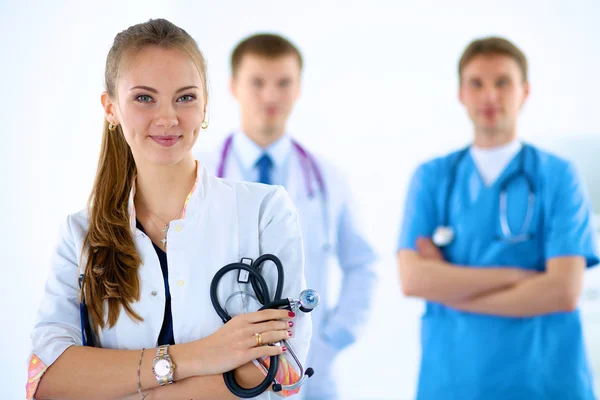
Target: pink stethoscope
[[309, 169]]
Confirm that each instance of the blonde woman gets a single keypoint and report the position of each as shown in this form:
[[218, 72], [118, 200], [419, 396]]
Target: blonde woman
[[158, 227]]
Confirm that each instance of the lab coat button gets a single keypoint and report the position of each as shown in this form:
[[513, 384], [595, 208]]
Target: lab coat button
[[154, 293], [180, 283]]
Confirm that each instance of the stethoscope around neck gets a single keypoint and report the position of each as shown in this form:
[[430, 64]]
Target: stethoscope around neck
[[444, 234], [310, 172]]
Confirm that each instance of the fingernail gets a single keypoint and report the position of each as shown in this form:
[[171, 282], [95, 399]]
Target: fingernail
[[290, 333], [283, 348], [292, 314], [290, 323]]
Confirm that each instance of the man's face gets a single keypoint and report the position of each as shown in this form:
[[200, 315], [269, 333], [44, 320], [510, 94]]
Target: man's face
[[493, 92], [266, 89]]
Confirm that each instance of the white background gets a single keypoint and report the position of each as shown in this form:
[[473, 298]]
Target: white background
[[379, 96]]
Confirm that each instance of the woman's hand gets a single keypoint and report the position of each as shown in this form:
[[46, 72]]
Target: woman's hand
[[236, 343]]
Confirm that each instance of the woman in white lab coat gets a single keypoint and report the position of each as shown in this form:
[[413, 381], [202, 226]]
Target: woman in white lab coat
[[157, 229]]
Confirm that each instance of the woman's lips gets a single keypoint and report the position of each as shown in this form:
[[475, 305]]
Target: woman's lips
[[166, 141]]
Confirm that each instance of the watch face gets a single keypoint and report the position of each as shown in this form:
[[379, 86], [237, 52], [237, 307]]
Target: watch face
[[162, 368]]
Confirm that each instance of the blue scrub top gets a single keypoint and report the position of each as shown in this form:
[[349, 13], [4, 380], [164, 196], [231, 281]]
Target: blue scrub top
[[474, 356]]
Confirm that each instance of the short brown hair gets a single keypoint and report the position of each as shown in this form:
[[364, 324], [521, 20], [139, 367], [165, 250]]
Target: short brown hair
[[265, 45], [493, 46]]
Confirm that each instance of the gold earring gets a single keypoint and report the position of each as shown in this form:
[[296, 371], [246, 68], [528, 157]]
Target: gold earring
[[112, 127], [205, 125]]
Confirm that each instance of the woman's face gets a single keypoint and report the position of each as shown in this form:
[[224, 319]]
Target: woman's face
[[160, 105]]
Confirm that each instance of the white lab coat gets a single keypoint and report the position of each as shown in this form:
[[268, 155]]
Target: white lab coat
[[224, 221], [335, 325]]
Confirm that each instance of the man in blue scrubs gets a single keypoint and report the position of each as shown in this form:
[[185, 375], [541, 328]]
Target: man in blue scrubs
[[496, 238]]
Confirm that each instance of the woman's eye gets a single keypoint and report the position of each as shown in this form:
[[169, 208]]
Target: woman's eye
[[185, 98], [143, 98]]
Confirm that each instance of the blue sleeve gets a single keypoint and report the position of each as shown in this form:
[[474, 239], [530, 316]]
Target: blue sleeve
[[420, 211], [570, 229]]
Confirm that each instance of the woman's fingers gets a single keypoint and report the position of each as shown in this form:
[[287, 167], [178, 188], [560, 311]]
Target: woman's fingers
[[267, 338], [278, 325], [266, 351], [268, 315]]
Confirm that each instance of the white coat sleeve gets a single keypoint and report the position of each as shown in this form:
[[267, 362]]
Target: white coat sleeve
[[57, 325], [279, 234], [356, 259]]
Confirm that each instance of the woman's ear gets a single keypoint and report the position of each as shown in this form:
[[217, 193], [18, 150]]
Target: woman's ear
[[108, 106]]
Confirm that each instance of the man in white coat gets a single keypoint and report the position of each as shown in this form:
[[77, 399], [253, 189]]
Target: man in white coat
[[265, 80]]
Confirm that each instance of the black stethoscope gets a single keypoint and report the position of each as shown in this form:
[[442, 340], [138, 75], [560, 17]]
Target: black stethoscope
[[444, 234], [310, 171], [307, 301]]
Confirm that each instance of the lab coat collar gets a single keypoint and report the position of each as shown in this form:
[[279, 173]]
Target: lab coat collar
[[249, 152], [192, 201]]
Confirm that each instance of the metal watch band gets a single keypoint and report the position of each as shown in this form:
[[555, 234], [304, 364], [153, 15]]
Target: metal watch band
[[163, 353], [162, 350]]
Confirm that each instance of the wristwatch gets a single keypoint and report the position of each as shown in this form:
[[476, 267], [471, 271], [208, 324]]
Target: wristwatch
[[163, 367]]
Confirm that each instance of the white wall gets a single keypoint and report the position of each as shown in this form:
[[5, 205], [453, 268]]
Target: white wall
[[379, 96]]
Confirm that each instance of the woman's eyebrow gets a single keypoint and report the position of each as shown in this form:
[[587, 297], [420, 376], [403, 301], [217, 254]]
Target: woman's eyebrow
[[149, 89]]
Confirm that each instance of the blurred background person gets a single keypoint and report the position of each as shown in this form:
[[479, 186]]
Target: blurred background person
[[266, 72], [496, 238]]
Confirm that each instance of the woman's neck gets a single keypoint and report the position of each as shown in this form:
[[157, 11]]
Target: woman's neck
[[162, 190]]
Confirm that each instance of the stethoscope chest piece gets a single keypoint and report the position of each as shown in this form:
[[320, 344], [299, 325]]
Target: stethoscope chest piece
[[443, 236], [309, 300]]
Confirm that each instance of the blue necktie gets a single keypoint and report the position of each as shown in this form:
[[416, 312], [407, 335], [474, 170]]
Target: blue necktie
[[264, 165]]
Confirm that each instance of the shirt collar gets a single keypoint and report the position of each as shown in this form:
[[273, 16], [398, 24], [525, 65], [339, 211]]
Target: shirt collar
[[511, 148], [192, 201], [249, 152]]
